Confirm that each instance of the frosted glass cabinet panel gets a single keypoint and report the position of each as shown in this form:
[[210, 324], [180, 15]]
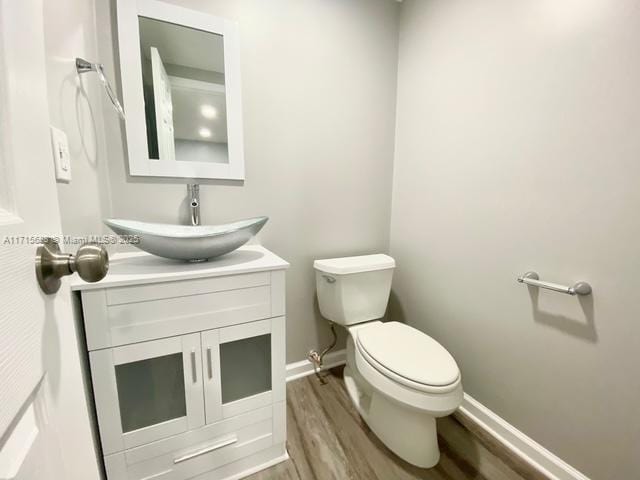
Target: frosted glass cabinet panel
[[151, 391], [245, 367], [238, 369], [148, 391]]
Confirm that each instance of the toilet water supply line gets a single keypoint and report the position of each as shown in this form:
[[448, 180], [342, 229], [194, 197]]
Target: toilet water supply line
[[316, 358]]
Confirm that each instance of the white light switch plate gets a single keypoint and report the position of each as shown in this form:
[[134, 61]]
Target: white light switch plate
[[61, 158]]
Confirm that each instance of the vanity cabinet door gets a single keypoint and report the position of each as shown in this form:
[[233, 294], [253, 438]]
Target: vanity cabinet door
[[243, 368], [148, 391]]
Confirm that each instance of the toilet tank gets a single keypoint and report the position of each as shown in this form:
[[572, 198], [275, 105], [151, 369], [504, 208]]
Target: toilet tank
[[354, 289]]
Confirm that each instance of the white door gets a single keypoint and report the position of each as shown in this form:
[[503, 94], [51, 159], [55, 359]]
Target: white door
[[164, 107], [40, 376]]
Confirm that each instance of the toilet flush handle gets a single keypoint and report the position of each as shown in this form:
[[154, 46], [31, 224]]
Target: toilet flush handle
[[329, 278]]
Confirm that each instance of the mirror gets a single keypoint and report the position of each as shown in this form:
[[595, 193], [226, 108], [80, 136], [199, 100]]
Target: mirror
[[184, 96], [181, 91]]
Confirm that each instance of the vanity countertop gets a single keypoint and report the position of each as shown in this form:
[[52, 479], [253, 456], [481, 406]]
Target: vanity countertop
[[135, 268]]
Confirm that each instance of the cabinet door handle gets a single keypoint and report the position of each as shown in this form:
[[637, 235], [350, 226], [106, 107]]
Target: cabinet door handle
[[209, 364], [194, 373], [210, 448]]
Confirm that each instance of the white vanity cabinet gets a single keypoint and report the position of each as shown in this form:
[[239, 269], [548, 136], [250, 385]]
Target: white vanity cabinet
[[188, 365]]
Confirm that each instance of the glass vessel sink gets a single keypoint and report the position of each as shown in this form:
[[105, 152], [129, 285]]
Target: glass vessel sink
[[190, 243]]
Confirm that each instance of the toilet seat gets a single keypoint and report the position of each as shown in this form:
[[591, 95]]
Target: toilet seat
[[408, 356]]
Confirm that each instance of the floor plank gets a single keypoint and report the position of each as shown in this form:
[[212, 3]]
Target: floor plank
[[516, 464], [328, 440]]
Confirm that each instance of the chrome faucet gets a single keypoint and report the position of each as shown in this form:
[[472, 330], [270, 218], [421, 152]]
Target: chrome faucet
[[194, 202]]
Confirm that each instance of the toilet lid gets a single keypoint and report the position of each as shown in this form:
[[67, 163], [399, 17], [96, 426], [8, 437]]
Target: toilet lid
[[409, 353]]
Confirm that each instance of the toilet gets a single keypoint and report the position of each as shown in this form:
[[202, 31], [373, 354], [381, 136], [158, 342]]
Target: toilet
[[399, 379]]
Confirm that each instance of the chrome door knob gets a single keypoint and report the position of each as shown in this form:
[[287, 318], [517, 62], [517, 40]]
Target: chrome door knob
[[91, 262]]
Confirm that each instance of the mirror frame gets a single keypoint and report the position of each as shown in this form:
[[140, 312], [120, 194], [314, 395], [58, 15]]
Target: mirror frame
[[140, 164]]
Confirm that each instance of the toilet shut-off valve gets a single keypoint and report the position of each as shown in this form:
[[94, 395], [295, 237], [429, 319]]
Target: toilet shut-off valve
[[316, 358]]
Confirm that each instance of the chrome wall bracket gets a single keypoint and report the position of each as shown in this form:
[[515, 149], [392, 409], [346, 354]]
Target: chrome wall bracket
[[84, 66], [91, 262], [533, 279]]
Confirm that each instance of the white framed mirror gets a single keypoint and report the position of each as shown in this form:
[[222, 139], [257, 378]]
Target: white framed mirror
[[181, 89]]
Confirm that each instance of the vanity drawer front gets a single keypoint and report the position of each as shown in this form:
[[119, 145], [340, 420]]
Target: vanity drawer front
[[196, 452], [157, 291], [127, 315], [136, 322]]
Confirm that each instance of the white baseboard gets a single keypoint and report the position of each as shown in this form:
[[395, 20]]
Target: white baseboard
[[305, 367], [517, 442]]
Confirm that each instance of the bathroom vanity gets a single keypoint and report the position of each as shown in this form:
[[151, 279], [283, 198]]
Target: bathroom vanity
[[187, 364]]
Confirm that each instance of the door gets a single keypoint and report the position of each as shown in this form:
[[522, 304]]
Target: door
[[44, 423], [147, 391], [163, 106], [238, 369]]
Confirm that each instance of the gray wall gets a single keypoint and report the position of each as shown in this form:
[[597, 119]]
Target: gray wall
[[319, 91], [75, 106], [518, 149]]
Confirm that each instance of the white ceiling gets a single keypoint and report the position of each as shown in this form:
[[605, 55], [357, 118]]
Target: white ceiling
[[188, 118], [181, 45]]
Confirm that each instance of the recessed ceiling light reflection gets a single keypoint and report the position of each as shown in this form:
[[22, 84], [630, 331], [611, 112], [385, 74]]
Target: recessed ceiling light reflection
[[208, 111], [204, 132]]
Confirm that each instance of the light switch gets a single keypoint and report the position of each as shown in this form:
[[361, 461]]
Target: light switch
[[61, 158]]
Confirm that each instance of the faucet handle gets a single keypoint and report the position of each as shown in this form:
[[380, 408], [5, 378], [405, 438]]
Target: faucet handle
[[194, 201], [194, 194]]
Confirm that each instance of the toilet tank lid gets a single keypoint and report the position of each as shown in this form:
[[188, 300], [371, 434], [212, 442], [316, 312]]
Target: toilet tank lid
[[361, 263]]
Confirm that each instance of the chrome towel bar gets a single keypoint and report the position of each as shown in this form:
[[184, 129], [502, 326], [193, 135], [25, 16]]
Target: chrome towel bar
[[532, 279]]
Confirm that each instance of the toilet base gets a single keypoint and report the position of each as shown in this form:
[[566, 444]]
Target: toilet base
[[409, 433]]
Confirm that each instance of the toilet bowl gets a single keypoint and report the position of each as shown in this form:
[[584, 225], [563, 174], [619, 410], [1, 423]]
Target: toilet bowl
[[399, 379]]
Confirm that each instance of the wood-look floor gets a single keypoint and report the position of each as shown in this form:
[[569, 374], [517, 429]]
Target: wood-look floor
[[328, 440]]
